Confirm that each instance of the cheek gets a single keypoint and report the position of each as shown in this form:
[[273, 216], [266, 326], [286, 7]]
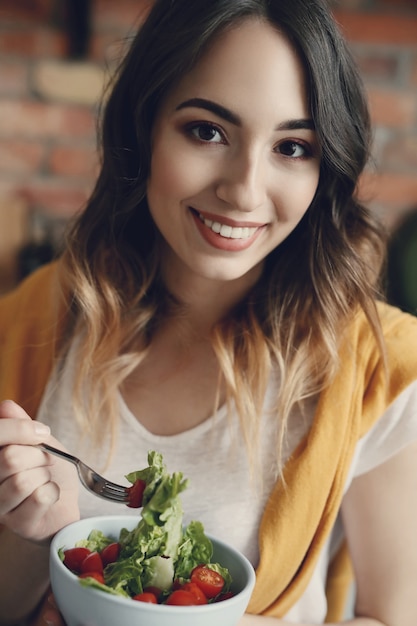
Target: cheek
[[297, 198], [164, 179], [176, 171]]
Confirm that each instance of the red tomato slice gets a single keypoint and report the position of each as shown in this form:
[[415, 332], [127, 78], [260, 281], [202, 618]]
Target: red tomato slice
[[92, 563], [196, 591], [210, 582], [110, 553], [180, 597], [136, 494], [146, 596], [96, 575], [73, 557]]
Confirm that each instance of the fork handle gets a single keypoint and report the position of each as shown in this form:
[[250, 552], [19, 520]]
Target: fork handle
[[64, 455]]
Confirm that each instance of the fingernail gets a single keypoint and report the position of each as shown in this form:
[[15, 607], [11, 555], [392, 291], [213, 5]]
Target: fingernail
[[41, 429]]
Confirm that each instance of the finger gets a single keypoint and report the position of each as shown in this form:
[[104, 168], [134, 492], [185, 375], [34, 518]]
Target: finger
[[10, 409], [16, 458], [21, 486], [32, 518], [22, 431]]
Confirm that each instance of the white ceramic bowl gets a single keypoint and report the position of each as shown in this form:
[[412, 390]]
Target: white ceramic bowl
[[85, 606]]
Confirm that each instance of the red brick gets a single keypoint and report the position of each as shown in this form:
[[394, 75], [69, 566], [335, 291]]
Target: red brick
[[378, 27], [35, 41], [122, 16], [28, 9], [55, 196], [378, 65], [23, 118], [14, 77], [392, 108], [400, 153], [20, 157], [74, 161]]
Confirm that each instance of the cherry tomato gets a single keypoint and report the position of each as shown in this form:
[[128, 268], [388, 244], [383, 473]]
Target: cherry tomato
[[146, 596], [196, 591], [210, 582], [96, 575], [73, 557], [110, 553], [180, 597], [92, 563], [136, 494]]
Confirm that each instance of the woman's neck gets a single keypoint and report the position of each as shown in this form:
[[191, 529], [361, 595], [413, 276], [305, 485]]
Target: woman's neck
[[204, 301]]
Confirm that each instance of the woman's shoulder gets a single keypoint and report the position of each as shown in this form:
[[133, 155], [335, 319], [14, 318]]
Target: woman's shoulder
[[370, 378]]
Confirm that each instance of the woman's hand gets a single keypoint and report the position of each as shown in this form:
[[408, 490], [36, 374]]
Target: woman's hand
[[38, 493]]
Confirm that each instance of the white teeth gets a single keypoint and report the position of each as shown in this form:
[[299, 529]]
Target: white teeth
[[227, 231]]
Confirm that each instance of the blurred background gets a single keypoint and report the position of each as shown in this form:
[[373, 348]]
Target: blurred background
[[55, 57]]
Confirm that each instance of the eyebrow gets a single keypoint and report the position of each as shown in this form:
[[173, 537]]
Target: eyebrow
[[229, 116]]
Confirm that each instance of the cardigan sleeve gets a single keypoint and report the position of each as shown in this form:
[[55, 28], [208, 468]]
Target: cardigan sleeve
[[32, 318]]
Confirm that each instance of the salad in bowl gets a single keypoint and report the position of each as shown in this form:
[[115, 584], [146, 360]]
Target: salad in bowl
[[151, 571]]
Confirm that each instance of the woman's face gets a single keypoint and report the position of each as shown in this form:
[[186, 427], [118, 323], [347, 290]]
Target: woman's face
[[235, 158]]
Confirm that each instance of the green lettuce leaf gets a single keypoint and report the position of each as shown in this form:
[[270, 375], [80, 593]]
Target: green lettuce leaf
[[95, 542], [195, 548]]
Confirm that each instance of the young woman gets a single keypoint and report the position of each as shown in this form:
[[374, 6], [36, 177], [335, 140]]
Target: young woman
[[217, 302]]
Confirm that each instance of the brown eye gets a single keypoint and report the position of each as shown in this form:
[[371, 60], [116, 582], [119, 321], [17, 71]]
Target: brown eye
[[207, 133], [293, 149]]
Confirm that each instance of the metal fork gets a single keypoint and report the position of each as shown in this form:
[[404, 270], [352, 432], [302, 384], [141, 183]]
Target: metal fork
[[92, 481]]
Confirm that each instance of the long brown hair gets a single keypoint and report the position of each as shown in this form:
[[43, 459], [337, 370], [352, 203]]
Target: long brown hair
[[313, 283]]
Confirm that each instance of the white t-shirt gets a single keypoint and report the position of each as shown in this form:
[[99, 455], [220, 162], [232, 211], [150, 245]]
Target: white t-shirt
[[221, 493]]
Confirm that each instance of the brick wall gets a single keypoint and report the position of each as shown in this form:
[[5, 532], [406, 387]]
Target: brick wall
[[48, 106], [383, 36]]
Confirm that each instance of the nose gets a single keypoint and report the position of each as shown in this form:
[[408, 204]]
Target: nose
[[242, 183]]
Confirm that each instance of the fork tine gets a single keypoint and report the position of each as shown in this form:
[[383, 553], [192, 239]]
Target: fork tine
[[115, 488], [117, 496], [108, 484], [102, 489]]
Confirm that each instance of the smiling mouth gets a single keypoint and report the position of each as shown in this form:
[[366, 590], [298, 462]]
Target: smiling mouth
[[226, 231]]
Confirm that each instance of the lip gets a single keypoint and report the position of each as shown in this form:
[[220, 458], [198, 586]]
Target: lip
[[227, 221], [220, 242]]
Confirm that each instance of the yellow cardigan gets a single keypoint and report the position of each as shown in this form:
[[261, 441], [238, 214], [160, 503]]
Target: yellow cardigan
[[299, 517]]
